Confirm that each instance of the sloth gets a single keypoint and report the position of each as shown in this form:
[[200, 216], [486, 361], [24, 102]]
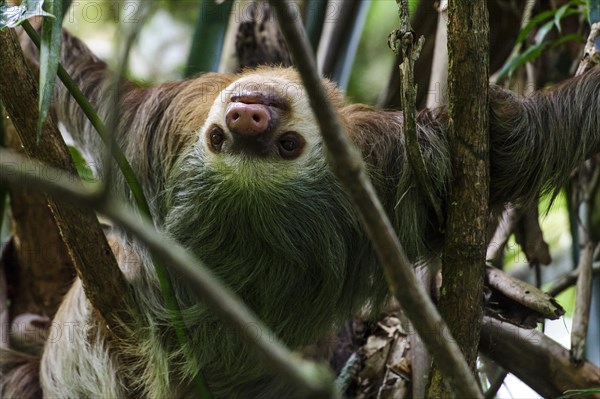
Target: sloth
[[235, 171]]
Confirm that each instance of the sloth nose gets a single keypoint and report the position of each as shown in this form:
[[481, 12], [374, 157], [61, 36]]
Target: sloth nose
[[247, 119]]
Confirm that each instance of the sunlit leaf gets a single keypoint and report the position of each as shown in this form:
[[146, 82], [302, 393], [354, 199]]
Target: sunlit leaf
[[543, 31], [533, 22], [83, 169], [574, 37], [49, 58], [531, 53], [549, 19], [11, 16], [560, 13]]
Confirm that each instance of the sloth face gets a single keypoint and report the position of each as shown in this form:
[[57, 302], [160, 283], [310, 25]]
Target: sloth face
[[260, 117]]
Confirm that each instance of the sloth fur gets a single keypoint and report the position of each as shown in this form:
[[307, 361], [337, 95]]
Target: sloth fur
[[280, 233]]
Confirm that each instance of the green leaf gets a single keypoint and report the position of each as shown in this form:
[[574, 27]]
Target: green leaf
[[543, 31], [559, 15], [555, 15], [83, 169], [49, 58], [574, 37], [533, 22], [11, 16], [528, 55]]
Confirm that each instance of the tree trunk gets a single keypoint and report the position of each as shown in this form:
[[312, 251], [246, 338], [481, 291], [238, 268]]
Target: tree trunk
[[467, 210]]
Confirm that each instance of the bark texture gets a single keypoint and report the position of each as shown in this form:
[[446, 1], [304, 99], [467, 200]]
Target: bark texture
[[467, 209], [41, 270], [106, 287]]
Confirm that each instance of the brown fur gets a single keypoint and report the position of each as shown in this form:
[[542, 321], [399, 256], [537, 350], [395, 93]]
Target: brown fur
[[19, 375], [535, 143]]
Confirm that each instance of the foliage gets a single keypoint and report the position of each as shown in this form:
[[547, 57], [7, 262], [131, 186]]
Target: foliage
[[11, 16], [374, 58], [542, 24], [49, 58], [369, 72]]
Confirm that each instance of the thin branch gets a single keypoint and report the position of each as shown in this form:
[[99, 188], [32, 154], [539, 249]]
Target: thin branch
[[517, 49], [506, 225], [591, 56], [584, 183], [122, 55], [313, 379], [349, 372], [583, 302], [347, 164], [3, 192], [105, 285], [523, 293], [4, 313], [496, 383], [568, 280], [537, 360], [403, 42], [100, 127], [438, 80]]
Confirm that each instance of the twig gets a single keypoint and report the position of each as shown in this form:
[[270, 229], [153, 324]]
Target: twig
[[534, 358], [111, 148], [585, 184], [567, 280], [524, 294], [529, 235], [517, 49], [437, 94], [306, 376], [583, 301], [496, 383], [403, 42], [348, 165], [591, 56], [3, 192], [4, 314], [506, 225], [348, 373], [100, 127]]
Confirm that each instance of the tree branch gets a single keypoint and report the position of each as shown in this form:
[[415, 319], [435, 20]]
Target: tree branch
[[347, 164], [467, 211], [535, 359], [92, 257], [308, 377], [403, 42]]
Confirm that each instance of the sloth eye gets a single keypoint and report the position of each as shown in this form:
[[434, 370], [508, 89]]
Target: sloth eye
[[290, 145], [216, 137]]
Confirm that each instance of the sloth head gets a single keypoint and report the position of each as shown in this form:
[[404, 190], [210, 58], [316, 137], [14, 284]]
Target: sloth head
[[262, 125], [254, 198]]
